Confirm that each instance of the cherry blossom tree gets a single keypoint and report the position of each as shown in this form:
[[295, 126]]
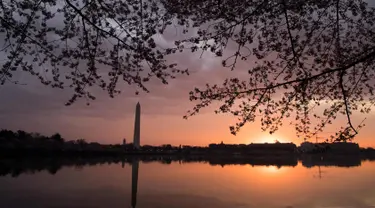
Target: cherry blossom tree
[[74, 40], [307, 53]]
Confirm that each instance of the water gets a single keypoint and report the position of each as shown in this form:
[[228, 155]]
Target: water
[[191, 185]]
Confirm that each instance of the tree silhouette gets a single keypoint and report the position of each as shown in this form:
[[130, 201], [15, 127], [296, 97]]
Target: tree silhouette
[[65, 43], [300, 54], [307, 53], [22, 135], [57, 138], [81, 142], [7, 134]]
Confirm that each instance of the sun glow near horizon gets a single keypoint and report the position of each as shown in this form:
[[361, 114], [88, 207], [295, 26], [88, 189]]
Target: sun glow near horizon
[[268, 138]]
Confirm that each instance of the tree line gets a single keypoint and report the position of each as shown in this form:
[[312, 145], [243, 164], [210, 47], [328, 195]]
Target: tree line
[[26, 137]]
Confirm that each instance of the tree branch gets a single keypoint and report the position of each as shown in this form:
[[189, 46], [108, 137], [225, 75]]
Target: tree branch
[[95, 26], [327, 71]]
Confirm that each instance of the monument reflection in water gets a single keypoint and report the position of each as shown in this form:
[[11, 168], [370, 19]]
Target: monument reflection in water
[[135, 167]]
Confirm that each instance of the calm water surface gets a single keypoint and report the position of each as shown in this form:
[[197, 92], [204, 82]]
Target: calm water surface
[[192, 185]]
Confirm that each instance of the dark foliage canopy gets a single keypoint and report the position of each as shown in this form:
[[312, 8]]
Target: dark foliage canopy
[[73, 39], [307, 53]]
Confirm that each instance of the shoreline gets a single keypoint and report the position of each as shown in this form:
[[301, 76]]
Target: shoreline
[[15, 166], [43, 152]]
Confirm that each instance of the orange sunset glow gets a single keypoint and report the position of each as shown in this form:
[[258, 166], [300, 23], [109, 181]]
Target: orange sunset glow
[[106, 120], [110, 120]]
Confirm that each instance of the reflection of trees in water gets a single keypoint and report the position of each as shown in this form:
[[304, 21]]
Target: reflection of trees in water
[[310, 161], [17, 166]]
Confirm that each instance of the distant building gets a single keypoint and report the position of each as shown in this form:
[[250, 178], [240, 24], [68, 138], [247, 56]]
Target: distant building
[[307, 147], [343, 148], [124, 142], [336, 147]]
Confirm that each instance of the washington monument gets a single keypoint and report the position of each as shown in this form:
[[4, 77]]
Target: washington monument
[[137, 126]]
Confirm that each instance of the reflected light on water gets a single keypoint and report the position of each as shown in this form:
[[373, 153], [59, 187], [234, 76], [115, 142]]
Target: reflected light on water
[[271, 169], [192, 184]]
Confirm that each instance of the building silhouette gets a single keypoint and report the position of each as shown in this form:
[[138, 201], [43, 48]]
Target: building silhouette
[[137, 126]]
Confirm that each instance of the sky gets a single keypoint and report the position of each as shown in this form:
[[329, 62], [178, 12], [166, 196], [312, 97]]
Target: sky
[[36, 108]]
